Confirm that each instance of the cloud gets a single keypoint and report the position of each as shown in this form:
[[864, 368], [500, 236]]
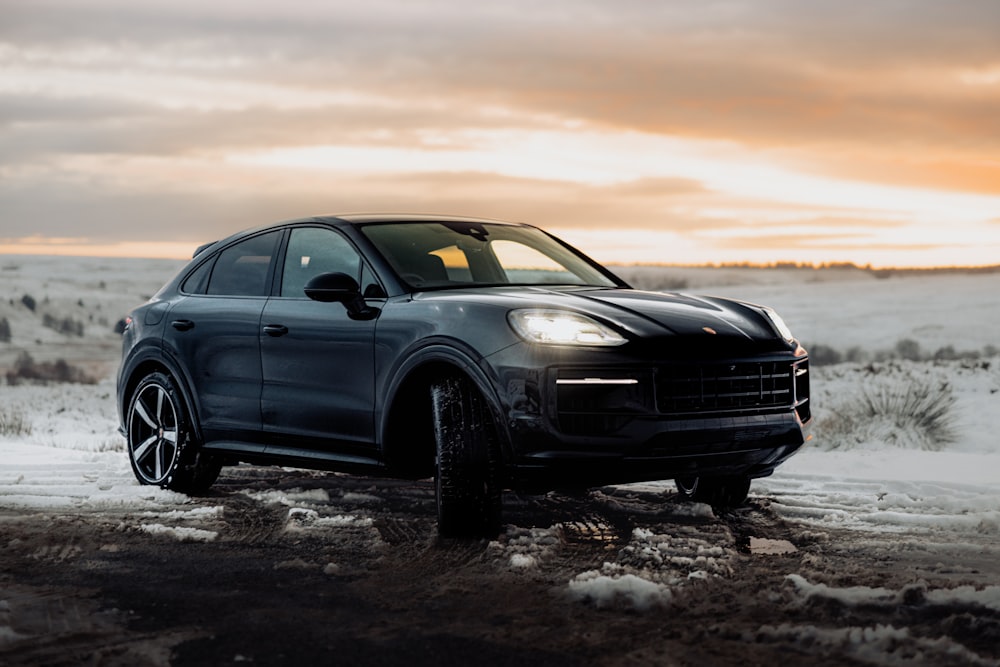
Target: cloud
[[106, 209], [764, 73], [122, 118]]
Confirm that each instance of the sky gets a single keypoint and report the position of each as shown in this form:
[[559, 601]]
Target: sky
[[642, 132]]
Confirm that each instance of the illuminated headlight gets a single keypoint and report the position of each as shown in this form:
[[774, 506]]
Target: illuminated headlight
[[778, 324], [561, 327]]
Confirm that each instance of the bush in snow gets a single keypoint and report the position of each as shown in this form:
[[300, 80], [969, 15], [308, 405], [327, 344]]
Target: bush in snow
[[13, 423], [26, 368], [66, 326], [907, 349], [4, 330], [824, 355], [902, 409]]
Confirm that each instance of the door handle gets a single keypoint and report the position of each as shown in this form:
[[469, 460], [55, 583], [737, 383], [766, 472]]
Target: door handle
[[182, 325], [275, 330]]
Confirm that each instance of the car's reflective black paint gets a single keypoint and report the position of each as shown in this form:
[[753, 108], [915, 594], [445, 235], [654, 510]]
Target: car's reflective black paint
[[701, 389]]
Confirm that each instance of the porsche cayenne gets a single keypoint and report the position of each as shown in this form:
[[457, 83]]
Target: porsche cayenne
[[484, 354]]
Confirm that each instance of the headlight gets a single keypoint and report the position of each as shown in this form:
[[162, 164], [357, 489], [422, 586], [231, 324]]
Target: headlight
[[561, 327], [778, 324]]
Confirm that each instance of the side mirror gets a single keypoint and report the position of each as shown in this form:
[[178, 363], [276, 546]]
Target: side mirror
[[340, 288], [332, 287]]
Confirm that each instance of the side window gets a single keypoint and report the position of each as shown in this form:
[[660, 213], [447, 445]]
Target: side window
[[197, 282], [242, 269], [370, 286], [315, 250]]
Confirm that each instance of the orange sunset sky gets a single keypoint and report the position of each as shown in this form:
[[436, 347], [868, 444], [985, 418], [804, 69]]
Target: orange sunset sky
[[654, 131]]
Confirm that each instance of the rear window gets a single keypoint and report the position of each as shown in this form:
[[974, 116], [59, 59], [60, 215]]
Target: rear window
[[243, 269]]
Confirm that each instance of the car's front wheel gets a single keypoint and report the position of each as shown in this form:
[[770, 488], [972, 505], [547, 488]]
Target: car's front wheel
[[722, 492], [467, 470], [160, 445]]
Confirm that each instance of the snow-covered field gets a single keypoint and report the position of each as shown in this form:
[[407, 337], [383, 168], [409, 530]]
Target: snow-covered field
[[888, 474], [900, 446]]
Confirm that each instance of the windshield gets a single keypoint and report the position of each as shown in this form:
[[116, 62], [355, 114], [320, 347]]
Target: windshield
[[433, 255]]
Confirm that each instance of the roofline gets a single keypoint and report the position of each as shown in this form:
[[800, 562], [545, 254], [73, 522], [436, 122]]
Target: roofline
[[355, 218]]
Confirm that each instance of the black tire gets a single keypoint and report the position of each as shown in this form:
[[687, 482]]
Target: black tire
[[467, 464], [161, 447], [719, 492]]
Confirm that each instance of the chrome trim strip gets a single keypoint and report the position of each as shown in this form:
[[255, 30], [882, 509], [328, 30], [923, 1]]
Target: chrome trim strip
[[592, 381]]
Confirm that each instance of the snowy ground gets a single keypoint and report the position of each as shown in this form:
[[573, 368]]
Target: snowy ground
[[877, 544]]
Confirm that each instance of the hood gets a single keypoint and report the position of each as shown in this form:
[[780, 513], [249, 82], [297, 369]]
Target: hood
[[646, 314], [685, 315]]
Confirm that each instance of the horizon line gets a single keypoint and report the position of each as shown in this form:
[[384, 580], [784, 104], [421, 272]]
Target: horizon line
[[772, 265]]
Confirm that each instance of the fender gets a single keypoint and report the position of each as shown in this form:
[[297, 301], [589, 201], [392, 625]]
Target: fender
[[161, 357], [439, 349]]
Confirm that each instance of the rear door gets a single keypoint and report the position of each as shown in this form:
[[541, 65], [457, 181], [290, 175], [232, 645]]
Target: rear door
[[214, 331]]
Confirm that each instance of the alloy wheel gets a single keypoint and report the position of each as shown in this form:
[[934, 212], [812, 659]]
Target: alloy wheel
[[153, 433]]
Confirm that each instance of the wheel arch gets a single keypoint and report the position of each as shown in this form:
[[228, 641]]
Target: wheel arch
[[406, 430], [144, 367]]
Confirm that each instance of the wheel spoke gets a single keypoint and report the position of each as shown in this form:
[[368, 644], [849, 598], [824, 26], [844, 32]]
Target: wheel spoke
[[140, 452], [159, 405], [170, 436], [140, 410], [159, 459]]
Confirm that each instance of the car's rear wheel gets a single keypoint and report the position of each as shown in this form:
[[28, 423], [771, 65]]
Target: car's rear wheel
[[160, 445], [722, 492], [467, 466]]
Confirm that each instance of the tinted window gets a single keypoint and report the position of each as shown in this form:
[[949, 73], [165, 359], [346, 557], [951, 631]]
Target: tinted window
[[370, 286], [315, 250], [197, 282], [242, 269], [462, 253]]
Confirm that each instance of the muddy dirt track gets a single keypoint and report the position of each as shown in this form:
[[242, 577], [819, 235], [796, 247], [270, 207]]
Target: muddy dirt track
[[280, 567]]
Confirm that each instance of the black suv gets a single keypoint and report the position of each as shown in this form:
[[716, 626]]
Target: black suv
[[486, 355]]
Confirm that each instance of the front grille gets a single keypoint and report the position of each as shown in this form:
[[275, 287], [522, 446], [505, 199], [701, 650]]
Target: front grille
[[733, 387], [591, 424], [600, 402]]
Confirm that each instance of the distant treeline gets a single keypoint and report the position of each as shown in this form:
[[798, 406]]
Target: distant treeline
[[834, 266]]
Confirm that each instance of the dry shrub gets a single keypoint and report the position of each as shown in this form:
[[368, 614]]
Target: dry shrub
[[13, 423], [908, 412], [26, 369], [907, 349], [67, 326]]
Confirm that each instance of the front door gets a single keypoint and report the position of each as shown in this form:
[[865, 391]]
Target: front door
[[318, 363]]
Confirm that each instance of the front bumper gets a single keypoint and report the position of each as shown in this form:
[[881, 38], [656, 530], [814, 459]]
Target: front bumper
[[749, 446], [575, 426]]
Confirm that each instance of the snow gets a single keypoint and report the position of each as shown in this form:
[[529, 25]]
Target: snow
[[987, 597], [904, 472], [877, 645], [40, 476], [182, 533], [628, 590], [769, 547], [301, 520], [526, 548], [883, 644], [291, 497]]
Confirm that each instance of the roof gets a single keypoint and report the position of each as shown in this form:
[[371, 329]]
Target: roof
[[357, 218], [408, 217]]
